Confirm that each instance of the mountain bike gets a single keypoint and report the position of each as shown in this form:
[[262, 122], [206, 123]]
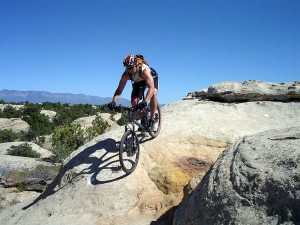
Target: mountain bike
[[129, 151]]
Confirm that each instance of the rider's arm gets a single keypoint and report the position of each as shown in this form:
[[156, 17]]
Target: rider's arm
[[121, 86], [146, 74]]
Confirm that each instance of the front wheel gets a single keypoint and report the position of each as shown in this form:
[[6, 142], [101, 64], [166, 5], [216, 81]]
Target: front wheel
[[129, 151], [157, 122]]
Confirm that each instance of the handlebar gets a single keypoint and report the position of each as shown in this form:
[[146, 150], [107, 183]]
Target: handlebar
[[122, 109]]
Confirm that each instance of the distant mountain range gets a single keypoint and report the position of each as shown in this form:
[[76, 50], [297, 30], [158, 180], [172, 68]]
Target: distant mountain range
[[44, 96]]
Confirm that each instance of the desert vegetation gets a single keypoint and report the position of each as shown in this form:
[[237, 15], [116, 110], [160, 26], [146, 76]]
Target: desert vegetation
[[66, 136], [23, 150]]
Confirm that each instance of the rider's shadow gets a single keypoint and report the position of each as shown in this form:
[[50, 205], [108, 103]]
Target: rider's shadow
[[104, 167], [107, 167]]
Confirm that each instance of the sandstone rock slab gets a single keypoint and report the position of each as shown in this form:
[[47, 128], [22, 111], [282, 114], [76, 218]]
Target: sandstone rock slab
[[50, 113], [10, 163], [15, 124], [86, 122], [255, 181], [249, 91], [18, 107]]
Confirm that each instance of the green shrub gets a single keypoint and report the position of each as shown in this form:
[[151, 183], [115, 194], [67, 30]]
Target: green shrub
[[21, 187], [66, 139], [123, 120], [23, 150], [60, 152], [71, 135], [7, 136], [99, 127], [44, 172], [10, 112], [69, 113], [28, 136], [39, 123]]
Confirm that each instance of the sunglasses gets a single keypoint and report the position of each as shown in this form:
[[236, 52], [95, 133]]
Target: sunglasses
[[130, 67]]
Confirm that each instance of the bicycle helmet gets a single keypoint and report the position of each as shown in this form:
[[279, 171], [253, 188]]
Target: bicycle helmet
[[130, 60]]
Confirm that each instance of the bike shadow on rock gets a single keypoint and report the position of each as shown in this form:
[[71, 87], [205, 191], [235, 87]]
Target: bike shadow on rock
[[104, 167]]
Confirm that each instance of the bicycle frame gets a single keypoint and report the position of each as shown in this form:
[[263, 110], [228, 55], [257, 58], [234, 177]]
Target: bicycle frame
[[133, 112], [129, 146], [132, 121]]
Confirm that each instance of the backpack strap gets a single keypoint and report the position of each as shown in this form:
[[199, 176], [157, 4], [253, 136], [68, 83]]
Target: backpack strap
[[153, 72]]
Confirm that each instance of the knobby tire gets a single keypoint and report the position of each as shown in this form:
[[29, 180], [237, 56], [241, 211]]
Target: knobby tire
[[129, 151]]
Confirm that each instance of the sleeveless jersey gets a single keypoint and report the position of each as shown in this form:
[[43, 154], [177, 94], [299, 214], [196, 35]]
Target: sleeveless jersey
[[137, 77]]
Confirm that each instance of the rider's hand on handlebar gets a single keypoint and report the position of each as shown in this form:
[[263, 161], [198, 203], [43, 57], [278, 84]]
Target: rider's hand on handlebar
[[142, 105], [111, 105]]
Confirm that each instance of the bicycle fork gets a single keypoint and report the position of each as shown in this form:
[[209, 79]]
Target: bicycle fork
[[131, 144]]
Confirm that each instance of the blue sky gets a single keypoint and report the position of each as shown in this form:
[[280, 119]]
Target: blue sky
[[77, 46]]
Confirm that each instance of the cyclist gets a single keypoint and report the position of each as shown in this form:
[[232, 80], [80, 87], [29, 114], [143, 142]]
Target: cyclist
[[140, 77]]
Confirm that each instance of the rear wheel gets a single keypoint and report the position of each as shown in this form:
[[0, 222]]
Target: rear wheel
[[129, 151], [157, 122]]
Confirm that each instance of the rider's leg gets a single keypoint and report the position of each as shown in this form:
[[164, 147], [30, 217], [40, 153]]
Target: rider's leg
[[135, 94], [153, 100], [153, 104]]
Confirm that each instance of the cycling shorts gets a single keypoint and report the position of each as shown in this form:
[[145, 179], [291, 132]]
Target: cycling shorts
[[142, 84]]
